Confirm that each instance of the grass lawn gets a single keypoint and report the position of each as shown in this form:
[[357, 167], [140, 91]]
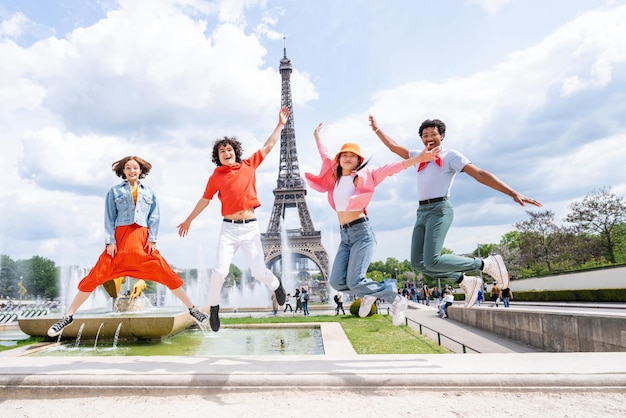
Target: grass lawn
[[21, 343], [371, 335]]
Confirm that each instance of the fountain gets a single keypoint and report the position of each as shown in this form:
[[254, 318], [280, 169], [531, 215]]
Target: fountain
[[131, 316]]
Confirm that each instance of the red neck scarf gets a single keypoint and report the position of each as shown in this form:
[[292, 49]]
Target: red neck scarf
[[437, 161]]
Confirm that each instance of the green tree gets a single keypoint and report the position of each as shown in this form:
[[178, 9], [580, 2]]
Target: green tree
[[511, 240], [600, 212], [9, 277], [485, 250], [620, 248], [39, 276], [539, 238], [235, 274], [375, 275], [376, 266]]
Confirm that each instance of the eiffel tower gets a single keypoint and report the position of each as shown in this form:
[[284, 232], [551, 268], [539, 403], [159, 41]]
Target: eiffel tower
[[304, 242]]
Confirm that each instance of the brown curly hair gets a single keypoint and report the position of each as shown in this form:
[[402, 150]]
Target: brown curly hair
[[233, 142], [118, 166]]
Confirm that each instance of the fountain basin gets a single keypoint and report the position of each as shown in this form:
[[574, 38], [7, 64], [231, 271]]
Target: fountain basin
[[147, 325], [198, 343]]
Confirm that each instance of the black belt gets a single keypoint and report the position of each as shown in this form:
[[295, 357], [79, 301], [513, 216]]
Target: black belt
[[355, 222], [239, 221], [435, 200]]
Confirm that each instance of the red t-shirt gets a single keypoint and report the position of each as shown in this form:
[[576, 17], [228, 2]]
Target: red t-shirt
[[235, 185]]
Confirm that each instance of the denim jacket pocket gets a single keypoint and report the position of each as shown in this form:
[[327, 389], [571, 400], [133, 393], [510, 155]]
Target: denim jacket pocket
[[144, 204], [122, 204]]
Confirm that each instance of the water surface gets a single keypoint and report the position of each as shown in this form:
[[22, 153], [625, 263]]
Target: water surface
[[197, 343]]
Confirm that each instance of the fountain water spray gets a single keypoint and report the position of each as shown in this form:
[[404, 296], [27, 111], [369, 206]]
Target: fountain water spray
[[95, 344]]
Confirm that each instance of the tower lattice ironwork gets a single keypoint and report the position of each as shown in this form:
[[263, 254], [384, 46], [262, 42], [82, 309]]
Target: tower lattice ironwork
[[290, 192]]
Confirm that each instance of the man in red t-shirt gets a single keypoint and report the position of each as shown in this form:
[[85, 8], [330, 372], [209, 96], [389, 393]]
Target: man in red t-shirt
[[234, 181]]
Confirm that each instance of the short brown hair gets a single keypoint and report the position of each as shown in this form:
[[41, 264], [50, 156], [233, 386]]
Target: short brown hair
[[118, 166]]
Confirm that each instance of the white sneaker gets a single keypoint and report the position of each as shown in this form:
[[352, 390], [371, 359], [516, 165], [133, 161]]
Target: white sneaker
[[494, 266], [366, 305], [398, 307], [471, 285]]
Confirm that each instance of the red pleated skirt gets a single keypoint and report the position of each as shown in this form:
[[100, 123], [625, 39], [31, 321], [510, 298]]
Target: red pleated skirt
[[131, 260]]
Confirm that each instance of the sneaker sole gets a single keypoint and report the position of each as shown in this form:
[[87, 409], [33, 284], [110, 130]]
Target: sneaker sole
[[396, 321], [362, 312], [474, 295], [54, 334], [215, 326], [400, 321], [504, 273], [281, 296]]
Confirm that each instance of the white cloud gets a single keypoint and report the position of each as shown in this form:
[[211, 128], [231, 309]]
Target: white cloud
[[490, 6], [163, 82], [14, 26]]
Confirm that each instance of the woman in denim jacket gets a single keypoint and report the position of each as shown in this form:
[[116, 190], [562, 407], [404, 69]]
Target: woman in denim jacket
[[131, 222], [350, 185]]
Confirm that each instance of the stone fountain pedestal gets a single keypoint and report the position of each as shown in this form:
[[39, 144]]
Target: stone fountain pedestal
[[154, 324]]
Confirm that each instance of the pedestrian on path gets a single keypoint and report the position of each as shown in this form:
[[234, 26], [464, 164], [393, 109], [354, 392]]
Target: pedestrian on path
[[448, 299], [275, 305], [507, 296], [495, 293], [288, 303], [339, 302], [435, 212], [436, 295], [480, 297], [305, 302], [298, 297]]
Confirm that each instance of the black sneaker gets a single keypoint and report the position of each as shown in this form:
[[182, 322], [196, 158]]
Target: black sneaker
[[280, 294], [58, 327], [214, 319], [198, 315]]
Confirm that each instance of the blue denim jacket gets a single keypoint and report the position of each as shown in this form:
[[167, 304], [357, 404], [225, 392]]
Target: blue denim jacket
[[120, 210]]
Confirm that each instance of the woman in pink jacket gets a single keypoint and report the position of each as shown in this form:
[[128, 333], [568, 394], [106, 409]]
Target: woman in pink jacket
[[350, 187]]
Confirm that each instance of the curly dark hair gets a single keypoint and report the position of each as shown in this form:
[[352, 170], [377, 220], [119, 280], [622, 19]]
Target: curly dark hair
[[118, 166], [433, 123], [233, 142]]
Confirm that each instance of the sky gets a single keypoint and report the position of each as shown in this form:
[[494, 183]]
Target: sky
[[531, 90]]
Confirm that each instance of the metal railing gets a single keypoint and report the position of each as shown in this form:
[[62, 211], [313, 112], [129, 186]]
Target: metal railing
[[421, 326]]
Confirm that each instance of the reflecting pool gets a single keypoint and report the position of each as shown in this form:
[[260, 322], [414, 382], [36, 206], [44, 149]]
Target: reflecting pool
[[199, 343]]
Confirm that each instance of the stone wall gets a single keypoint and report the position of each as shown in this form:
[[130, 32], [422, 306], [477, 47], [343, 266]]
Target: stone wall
[[549, 331]]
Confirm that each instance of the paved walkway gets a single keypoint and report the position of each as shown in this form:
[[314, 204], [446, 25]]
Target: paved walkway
[[522, 381], [501, 363], [459, 337], [506, 379]]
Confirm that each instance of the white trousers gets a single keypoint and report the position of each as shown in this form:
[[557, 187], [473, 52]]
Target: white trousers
[[231, 238]]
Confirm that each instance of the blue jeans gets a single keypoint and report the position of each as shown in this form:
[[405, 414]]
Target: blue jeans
[[429, 233], [443, 308], [354, 255], [506, 302], [305, 307]]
